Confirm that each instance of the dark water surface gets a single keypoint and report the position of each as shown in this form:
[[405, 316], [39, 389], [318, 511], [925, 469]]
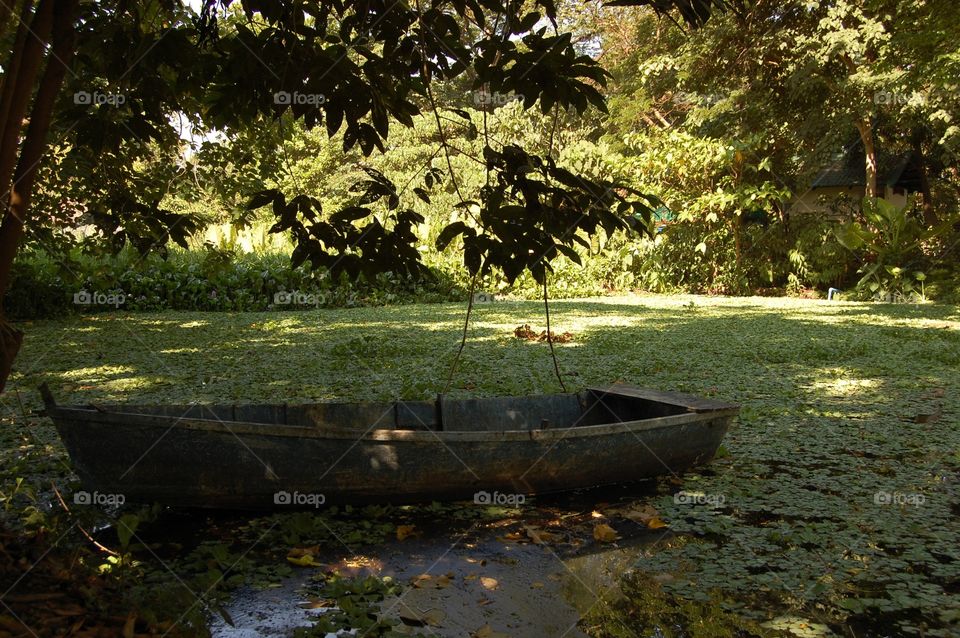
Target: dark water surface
[[519, 588]]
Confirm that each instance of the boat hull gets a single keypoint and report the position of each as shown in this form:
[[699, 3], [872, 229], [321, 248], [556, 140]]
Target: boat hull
[[195, 462]]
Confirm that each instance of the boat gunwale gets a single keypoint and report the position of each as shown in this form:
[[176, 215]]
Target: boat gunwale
[[381, 434]]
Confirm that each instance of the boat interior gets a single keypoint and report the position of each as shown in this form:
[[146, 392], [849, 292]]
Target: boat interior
[[591, 407]]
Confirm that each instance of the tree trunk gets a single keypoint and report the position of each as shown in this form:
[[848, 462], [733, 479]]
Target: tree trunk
[[870, 155], [13, 62], [18, 91], [10, 341], [929, 214], [31, 152]]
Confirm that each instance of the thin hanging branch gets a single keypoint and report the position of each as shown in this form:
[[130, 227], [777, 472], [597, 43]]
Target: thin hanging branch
[[463, 339], [425, 70], [546, 307], [286, 157], [546, 302], [456, 186], [63, 503]]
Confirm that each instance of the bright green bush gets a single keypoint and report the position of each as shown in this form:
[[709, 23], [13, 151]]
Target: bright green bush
[[888, 241], [779, 257], [207, 280]]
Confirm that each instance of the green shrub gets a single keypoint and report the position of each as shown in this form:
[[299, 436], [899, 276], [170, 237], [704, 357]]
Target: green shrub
[[206, 280], [888, 241], [786, 256]]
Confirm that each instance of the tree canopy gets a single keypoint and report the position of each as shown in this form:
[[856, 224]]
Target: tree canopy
[[110, 80]]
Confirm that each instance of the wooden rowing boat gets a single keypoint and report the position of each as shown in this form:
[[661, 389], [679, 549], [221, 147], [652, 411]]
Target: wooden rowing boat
[[491, 449]]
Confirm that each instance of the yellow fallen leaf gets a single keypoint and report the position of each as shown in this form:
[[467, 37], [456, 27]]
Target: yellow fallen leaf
[[639, 513], [421, 581], [536, 585], [541, 537], [489, 583], [306, 560], [403, 531], [434, 617], [604, 533], [443, 581], [488, 632], [297, 552], [656, 523], [417, 618]]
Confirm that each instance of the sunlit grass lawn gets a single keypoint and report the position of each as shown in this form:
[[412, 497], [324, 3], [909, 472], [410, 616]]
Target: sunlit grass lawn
[[841, 402], [824, 354]]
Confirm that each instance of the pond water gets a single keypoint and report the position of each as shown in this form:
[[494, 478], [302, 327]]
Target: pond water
[[470, 575]]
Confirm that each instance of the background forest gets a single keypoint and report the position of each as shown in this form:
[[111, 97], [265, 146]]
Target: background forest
[[729, 125]]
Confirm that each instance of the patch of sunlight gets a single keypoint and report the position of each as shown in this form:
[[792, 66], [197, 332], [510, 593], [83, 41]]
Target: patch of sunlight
[[798, 626], [846, 318], [266, 341], [844, 387], [99, 371], [440, 326], [144, 320], [620, 320], [194, 324], [120, 387], [940, 324], [112, 563], [179, 351], [306, 328], [287, 324], [278, 342], [828, 317]]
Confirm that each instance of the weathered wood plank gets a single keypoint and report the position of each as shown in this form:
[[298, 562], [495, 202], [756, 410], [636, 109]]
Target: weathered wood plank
[[361, 416], [690, 402], [418, 415], [509, 413]]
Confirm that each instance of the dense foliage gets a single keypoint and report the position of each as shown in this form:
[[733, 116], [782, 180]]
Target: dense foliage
[[210, 280], [720, 127]]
